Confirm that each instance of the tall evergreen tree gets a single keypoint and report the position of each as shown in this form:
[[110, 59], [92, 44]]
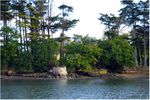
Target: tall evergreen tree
[[144, 27], [136, 15], [5, 16], [40, 8], [129, 14], [65, 24], [111, 22], [5, 10], [19, 8]]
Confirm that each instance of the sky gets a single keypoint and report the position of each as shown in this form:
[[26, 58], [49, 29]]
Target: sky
[[87, 11]]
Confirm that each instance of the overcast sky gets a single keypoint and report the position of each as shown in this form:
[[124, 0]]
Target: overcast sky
[[87, 11]]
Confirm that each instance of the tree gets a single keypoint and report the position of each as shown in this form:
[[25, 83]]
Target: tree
[[129, 15], [19, 8], [52, 25], [5, 16], [5, 12], [33, 51], [111, 22], [138, 42], [65, 24], [133, 14], [40, 8], [116, 54], [9, 47], [43, 59], [52, 21], [81, 57], [144, 28], [85, 39]]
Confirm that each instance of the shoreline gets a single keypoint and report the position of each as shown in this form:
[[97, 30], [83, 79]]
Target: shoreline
[[133, 76], [5, 77], [107, 76]]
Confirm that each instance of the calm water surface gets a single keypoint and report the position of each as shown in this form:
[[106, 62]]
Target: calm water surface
[[75, 89]]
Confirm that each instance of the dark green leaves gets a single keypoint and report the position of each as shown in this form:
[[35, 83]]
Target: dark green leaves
[[116, 53], [82, 57]]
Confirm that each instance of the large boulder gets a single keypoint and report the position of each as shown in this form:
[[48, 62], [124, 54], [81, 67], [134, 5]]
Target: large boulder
[[11, 73], [60, 72]]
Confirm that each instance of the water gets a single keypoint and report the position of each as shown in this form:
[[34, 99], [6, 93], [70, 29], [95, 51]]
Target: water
[[75, 89]]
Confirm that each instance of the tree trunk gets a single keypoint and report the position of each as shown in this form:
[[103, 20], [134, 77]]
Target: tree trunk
[[51, 16], [5, 35], [62, 46], [26, 38], [135, 48], [145, 51], [4, 23], [23, 36], [5, 45], [20, 34], [135, 56], [61, 51], [43, 29], [140, 56]]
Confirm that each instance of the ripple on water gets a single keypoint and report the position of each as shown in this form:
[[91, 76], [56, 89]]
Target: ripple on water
[[75, 89]]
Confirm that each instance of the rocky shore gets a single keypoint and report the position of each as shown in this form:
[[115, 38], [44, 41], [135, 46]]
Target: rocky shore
[[41, 76], [47, 76], [61, 73]]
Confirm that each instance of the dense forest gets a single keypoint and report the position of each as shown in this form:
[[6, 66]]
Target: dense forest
[[28, 45]]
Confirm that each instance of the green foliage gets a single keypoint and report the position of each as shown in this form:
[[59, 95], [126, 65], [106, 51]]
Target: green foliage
[[9, 46], [116, 54], [8, 34], [66, 10], [102, 71], [110, 34], [40, 61], [81, 57], [111, 22], [23, 62], [5, 10], [136, 14], [44, 54], [32, 50], [53, 51], [85, 40], [41, 57], [129, 13], [65, 24]]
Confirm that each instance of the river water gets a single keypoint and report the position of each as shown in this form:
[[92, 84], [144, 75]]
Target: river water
[[75, 89]]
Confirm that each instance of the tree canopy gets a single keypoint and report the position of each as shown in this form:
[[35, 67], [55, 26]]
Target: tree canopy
[[27, 43]]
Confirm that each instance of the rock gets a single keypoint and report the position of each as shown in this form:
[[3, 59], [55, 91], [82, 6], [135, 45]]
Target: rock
[[50, 77], [60, 72], [35, 75], [93, 74], [69, 77], [72, 76], [30, 75], [11, 73], [63, 77]]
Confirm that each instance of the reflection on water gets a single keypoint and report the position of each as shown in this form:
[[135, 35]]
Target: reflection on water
[[75, 89]]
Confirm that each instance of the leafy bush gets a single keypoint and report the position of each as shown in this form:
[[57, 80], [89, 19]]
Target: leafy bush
[[44, 55], [81, 57], [116, 54]]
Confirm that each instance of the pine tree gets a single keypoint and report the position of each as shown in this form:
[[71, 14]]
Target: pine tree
[[129, 15], [65, 24], [5, 15]]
